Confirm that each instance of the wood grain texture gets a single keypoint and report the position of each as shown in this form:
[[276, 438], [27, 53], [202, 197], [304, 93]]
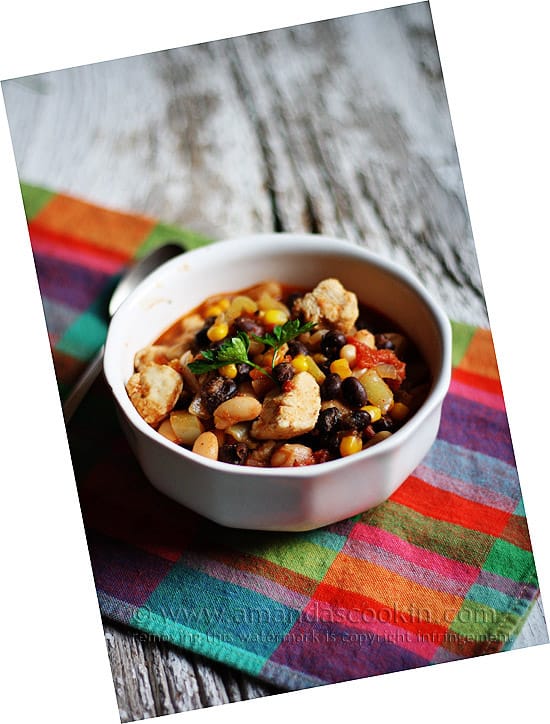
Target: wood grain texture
[[340, 127], [153, 678]]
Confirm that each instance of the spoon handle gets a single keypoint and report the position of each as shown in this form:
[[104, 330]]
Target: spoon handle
[[83, 385]]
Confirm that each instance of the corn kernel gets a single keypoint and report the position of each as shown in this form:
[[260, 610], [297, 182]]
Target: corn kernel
[[229, 371], [214, 310], [350, 444], [275, 317], [349, 353], [217, 308], [341, 368], [217, 331], [374, 412], [300, 363], [399, 411]]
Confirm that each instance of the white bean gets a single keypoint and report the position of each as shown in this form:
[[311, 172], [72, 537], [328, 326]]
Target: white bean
[[238, 409], [206, 445], [167, 431]]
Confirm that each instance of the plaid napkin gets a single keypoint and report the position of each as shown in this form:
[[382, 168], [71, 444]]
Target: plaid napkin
[[443, 570]]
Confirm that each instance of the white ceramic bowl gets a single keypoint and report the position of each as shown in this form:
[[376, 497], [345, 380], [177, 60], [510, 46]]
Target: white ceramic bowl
[[290, 499]]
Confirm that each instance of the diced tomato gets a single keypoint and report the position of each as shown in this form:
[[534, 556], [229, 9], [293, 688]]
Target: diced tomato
[[288, 386], [255, 374], [367, 357], [321, 456]]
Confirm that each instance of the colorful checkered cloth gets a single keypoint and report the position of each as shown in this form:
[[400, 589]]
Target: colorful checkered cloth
[[443, 570]]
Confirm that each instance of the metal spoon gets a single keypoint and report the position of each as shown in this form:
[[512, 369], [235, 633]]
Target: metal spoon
[[128, 282]]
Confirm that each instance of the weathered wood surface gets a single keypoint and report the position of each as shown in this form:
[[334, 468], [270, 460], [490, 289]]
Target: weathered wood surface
[[154, 678], [340, 127]]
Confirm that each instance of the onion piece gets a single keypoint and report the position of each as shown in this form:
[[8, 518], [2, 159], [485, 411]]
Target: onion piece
[[386, 371], [189, 379], [378, 392], [266, 301], [382, 435], [186, 427], [239, 305], [198, 408]]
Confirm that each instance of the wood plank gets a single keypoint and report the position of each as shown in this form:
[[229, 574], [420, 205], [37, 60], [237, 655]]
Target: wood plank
[[153, 678]]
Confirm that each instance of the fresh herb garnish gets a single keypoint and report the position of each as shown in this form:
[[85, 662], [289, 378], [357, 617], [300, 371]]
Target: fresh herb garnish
[[231, 351], [282, 334], [235, 349]]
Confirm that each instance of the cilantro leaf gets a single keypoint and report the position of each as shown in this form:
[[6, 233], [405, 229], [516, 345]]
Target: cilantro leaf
[[231, 351], [281, 334], [285, 333], [235, 349]]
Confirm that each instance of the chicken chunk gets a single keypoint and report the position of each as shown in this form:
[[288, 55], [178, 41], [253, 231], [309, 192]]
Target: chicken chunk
[[158, 353], [328, 305], [154, 391], [289, 413]]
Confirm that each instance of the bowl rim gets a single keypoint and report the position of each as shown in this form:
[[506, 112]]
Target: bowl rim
[[312, 243]]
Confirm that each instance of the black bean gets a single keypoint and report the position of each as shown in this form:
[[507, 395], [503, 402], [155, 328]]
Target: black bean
[[309, 439], [328, 420], [353, 392], [330, 389], [234, 453], [283, 372], [243, 371], [201, 337], [248, 325], [332, 343], [183, 401], [332, 441], [355, 420], [217, 390], [382, 342], [383, 424], [295, 347]]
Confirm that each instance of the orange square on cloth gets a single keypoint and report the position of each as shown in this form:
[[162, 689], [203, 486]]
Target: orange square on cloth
[[110, 230], [480, 357], [390, 590]]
